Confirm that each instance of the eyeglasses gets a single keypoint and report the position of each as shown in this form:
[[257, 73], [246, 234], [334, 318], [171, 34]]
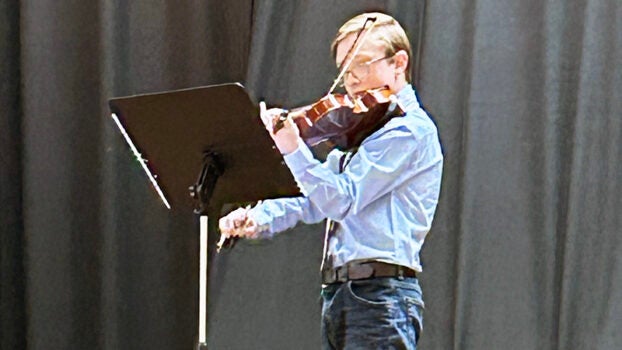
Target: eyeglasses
[[361, 70]]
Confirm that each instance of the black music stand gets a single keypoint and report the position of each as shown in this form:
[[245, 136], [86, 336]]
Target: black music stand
[[201, 148]]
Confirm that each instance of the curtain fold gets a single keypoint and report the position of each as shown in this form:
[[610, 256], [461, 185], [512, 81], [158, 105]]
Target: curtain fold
[[12, 281], [536, 128]]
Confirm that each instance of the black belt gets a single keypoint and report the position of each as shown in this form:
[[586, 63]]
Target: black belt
[[365, 270]]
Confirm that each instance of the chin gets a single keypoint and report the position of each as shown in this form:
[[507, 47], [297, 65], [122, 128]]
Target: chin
[[352, 92], [358, 91]]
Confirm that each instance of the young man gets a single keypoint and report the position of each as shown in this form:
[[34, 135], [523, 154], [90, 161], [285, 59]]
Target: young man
[[379, 202]]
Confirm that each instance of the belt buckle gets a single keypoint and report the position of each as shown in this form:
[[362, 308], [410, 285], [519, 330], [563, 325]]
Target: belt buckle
[[400, 273], [359, 271]]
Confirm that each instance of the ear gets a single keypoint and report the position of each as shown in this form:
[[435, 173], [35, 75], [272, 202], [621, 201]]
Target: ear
[[401, 61]]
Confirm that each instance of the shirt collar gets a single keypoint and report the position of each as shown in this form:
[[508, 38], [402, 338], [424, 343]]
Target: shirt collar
[[408, 97]]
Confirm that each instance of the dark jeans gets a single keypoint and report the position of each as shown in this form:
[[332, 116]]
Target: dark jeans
[[378, 313]]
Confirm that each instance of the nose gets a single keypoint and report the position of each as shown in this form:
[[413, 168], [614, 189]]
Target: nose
[[350, 79], [350, 74]]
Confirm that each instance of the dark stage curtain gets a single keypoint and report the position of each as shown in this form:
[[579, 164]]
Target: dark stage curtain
[[524, 251], [12, 276]]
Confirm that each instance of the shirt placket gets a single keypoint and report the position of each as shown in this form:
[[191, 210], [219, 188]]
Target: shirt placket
[[328, 257]]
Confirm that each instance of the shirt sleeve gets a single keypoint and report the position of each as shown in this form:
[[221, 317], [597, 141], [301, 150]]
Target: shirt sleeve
[[382, 163], [276, 215]]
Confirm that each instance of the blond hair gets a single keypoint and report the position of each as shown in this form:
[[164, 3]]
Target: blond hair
[[387, 31]]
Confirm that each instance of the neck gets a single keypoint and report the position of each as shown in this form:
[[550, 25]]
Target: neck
[[398, 84]]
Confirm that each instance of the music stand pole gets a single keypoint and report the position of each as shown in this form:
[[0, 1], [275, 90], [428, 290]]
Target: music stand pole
[[202, 192], [202, 344]]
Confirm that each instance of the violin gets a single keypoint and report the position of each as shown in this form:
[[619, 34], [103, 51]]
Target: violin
[[342, 121], [339, 119]]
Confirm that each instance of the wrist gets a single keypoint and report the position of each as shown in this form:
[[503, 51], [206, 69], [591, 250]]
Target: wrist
[[288, 146]]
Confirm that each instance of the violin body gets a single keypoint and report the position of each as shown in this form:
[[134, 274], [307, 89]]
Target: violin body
[[344, 122]]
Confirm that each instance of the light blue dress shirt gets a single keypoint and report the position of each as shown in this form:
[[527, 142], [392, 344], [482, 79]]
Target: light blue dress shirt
[[384, 200]]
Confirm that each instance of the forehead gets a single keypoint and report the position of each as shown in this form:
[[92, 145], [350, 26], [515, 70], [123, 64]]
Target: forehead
[[370, 49]]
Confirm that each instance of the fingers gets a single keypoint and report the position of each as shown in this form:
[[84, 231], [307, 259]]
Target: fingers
[[233, 220], [264, 115], [238, 224], [269, 116], [249, 230]]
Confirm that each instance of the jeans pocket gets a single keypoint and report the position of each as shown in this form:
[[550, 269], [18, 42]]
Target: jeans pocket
[[414, 309], [371, 293], [413, 301]]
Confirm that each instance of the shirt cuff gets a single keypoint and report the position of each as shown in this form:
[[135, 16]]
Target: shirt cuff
[[263, 221]]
